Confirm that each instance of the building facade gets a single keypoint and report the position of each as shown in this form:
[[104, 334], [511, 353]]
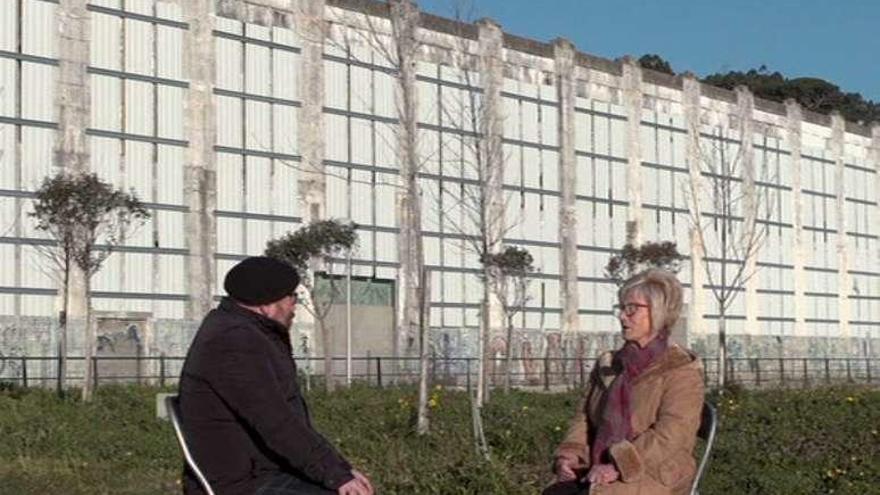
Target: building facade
[[239, 121]]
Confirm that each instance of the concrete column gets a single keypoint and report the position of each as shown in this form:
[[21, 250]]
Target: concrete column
[[311, 179], [632, 95], [745, 107], [405, 20], [73, 103], [697, 306], [793, 129], [491, 58], [564, 52], [844, 284], [200, 176], [875, 157]]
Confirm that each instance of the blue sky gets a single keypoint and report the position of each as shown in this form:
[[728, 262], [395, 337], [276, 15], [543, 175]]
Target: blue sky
[[838, 41]]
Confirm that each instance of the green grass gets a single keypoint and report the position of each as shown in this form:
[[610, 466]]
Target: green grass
[[786, 442]]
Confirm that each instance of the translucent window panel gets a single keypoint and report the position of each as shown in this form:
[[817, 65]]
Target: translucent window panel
[[258, 66], [428, 148], [9, 164], [362, 197], [105, 155], [36, 155], [549, 125], [170, 111], [550, 229], [285, 70], [386, 247], [228, 62], [170, 229], [453, 287], [229, 235], [473, 168], [361, 90], [336, 137], [170, 174], [510, 116], [258, 185], [106, 37], [337, 192], [106, 102], [550, 168], [431, 204], [108, 277], [285, 129], [428, 106], [139, 54], [361, 141], [38, 90], [529, 122], [139, 169], [385, 89], [451, 163], [285, 188], [258, 125], [171, 274], [259, 232], [229, 182], [648, 143], [618, 146], [169, 43], [335, 85], [531, 166], [601, 138], [229, 113], [386, 145], [512, 164], [139, 112], [664, 147], [38, 270], [138, 270]]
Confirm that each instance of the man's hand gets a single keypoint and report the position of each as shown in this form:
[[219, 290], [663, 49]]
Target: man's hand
[[360, 485], [603, 474], [565, 466]]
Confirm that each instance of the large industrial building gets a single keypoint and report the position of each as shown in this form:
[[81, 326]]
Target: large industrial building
[[238, 121]]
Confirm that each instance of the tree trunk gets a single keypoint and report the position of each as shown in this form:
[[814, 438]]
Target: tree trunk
[[509, 354], [62, 332], [88, 389], [483, 351], [722, 350], [327, 341], [423, 423]]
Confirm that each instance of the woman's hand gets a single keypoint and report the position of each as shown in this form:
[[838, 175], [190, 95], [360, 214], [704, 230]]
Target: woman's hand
[[603, 474], [565, 466]]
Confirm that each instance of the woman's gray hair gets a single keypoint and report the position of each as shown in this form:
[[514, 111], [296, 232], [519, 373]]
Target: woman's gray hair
[[664, 293]]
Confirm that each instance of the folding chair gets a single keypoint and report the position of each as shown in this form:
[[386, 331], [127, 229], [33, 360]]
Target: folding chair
[[172, 403], [708, 423]]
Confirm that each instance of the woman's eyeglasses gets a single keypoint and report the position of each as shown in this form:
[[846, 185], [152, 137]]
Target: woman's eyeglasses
[[628, 309]]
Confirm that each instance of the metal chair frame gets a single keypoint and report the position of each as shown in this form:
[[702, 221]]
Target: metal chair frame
[[708, 424], [172, 404]]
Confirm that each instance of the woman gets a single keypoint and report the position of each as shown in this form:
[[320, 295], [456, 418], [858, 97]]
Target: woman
[[636, 430]]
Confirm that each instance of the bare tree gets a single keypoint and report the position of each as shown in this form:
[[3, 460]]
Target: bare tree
[[510, 270], [729, 214], [311, 250], [79, 211]]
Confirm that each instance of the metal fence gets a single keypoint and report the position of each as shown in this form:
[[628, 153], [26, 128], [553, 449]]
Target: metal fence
[[541, 373]]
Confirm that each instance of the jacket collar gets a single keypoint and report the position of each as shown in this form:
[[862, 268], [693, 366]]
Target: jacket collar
[[674, 357], [266, 324]]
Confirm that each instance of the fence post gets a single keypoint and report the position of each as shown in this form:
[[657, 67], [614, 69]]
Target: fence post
[[848, 371], [731, 365], [827, 372], [806, 380], [379, 371], [468, 378], [868, 369], [433, 366], [581, 371], [95, 372], [546, 373], [368, 368], [757, 372], [782, 371], [24, 377], [162, 369]]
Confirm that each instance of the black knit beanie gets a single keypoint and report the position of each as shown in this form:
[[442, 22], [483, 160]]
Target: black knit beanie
[[260, 280]]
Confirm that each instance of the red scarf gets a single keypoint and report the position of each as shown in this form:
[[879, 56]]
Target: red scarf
[[616, 423]]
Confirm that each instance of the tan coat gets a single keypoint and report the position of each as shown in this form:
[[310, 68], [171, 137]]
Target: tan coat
[[667, 403]]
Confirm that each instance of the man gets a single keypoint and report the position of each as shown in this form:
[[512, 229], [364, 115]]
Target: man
[[241, 407]]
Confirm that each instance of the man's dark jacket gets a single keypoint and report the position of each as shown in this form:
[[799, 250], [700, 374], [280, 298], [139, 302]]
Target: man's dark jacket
[[242, 409]]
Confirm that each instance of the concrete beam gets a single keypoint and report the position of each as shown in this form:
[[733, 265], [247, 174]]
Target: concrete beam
[[564, 54], [632, 94], [200, 176], [793, 130], [844, 284]]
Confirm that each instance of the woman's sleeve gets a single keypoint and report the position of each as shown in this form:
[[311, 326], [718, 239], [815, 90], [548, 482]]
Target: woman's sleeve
[[576, 442], [678, 420]]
